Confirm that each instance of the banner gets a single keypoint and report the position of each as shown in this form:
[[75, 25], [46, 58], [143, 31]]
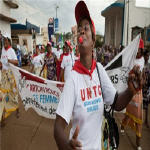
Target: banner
[[120, 66], [37, 93], [56, 24], [50, 28]]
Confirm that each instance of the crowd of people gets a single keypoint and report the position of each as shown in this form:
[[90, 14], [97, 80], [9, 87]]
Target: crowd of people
[[78, 71]]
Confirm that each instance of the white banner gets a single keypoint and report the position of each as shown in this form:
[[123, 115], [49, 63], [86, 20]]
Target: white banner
[[120, 66], [37, 93]]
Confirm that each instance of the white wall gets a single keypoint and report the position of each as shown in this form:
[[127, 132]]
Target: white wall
[[29, 39], [138, 16], [44, 31], [39, 39], [4, 9], [5, 27]]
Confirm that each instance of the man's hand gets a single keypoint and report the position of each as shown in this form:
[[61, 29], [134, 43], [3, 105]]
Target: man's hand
[[135, 81], [74, 143]]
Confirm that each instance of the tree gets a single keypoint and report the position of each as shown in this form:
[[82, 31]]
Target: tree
[[68, 36], [99, 41]]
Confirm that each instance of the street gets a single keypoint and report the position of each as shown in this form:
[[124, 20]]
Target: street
[[32, 132]]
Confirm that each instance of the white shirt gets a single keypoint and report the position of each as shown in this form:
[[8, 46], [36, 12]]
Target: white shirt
[[7, 54], [57, 52], [67, 64], [42, 56], [37, 61], [140, 62], [86, 110]]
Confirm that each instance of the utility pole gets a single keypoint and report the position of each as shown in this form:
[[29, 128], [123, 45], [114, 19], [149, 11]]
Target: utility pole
[[56, 10], [128, 22]]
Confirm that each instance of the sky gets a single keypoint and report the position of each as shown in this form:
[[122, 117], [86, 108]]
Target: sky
[[39, 11]]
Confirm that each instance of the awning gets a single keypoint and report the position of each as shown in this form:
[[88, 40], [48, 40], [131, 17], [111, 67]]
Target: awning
[[8, 19], [111, 7]]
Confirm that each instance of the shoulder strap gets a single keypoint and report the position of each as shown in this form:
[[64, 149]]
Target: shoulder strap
[[116, 96], [99, 79]]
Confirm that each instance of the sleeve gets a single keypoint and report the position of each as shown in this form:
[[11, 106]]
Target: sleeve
[[63, 63], [66, 101], [13, 55], [107, 87]]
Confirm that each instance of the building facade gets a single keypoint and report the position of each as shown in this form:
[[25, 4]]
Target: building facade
[[123, 21], [25, 35], [44, 32], [5, 17]]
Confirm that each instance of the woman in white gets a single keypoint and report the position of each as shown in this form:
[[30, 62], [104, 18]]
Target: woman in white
[[37, 62], [133, 115], [82, 98], [67, 62], [8, 88]]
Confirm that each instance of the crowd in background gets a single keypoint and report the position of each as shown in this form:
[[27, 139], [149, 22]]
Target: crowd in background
[[55, 63]]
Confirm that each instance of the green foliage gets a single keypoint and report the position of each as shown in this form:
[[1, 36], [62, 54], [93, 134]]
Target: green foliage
[[99, 41]]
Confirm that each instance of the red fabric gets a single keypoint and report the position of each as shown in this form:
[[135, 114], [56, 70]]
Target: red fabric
[[78, 67], [58, 69], [82, 11], [141, 44], [61, 57], [49, 43], [58, 65], [34, 55], [48, 54], [65, 54], [31, 77], [8, 48], [69, 44]]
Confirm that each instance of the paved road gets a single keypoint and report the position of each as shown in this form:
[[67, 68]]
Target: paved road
[[32, 132]]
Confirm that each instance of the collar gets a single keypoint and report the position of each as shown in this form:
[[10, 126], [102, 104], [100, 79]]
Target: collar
[[8, 48], [66, 54], [78, 67], [139, 57], [35, 55], [49, 54]]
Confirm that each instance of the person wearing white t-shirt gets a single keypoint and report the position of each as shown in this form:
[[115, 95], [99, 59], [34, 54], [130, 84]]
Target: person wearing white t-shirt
[[67, 62], [57, 51], [82, 99], [37, 62], [133, 115], [7, 82]]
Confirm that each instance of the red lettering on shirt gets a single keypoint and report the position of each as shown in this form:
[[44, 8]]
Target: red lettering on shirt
[[82, 94]]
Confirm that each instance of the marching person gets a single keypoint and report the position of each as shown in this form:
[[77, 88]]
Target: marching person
[[61, 78], [50, 63], [133, 115], [82, 99], [37, 62], [146, 87], [9, 97], [67, 62]]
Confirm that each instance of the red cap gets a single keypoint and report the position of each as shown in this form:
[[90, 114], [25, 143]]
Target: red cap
[[49, 43], [69, 44], [82, 11], [141, 44]]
